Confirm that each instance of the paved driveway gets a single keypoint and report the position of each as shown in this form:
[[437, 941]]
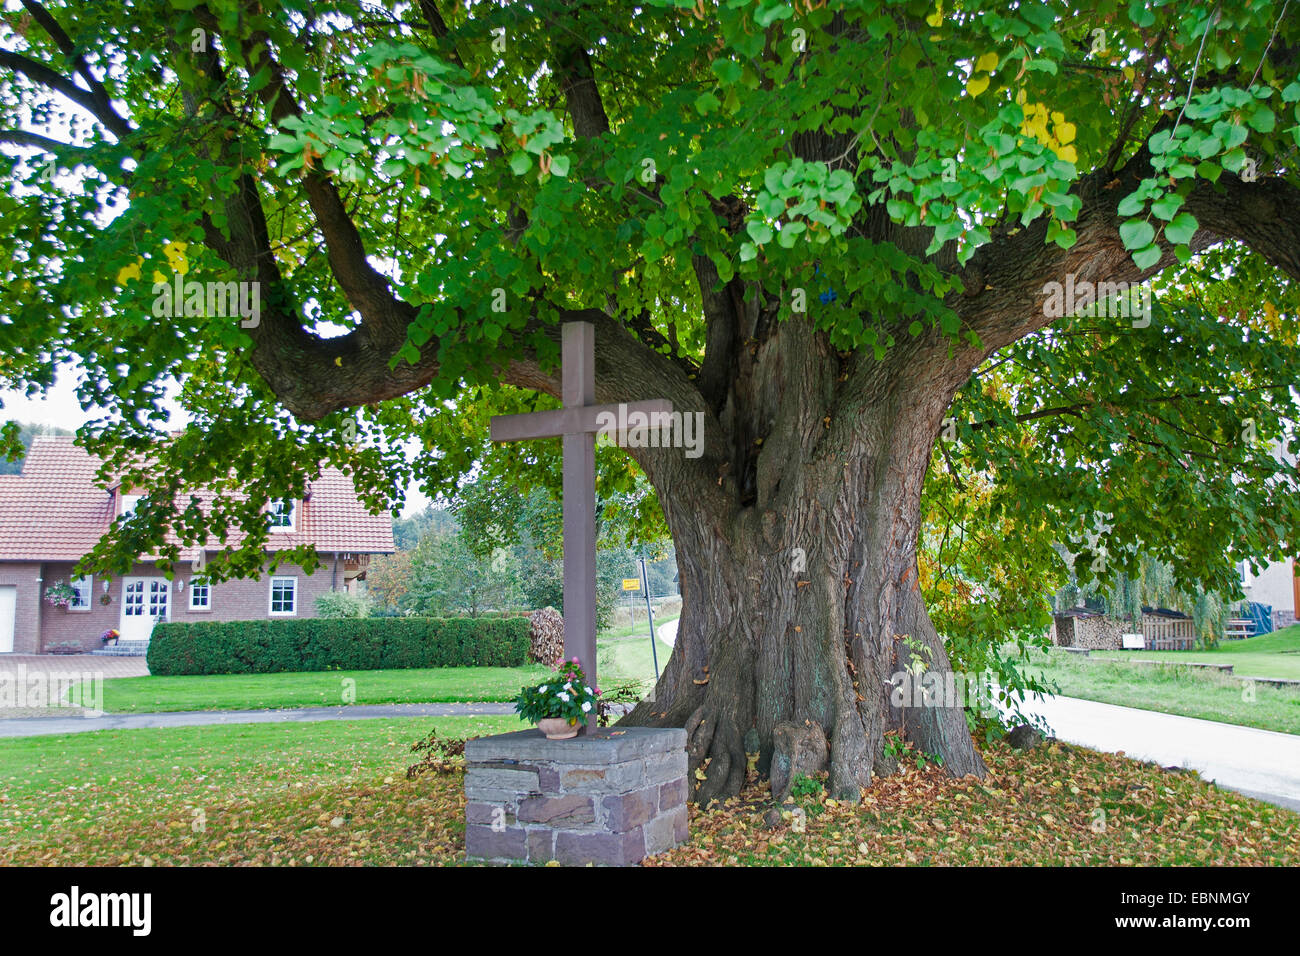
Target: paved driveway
[[75, 664], [41, 726], [1262, 764]]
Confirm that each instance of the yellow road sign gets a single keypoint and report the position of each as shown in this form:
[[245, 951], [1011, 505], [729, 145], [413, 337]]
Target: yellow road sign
[[631, 584]]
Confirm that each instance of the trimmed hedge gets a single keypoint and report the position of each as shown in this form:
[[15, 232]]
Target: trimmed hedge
[[325, 644]]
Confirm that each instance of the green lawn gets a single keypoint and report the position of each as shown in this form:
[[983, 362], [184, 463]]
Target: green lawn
[[1269, 655], [639, 629], [335, 793], [242, 793], [1187, 691], [125, 695], [628, 659]]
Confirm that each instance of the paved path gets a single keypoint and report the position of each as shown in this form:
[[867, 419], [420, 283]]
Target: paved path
[[105, 666], [39, 726], [668, 631], [1262, 764]]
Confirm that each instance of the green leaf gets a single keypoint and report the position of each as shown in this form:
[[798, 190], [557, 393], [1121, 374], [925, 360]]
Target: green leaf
[[1147, 257], [1182, 228], [520, 163], [1167, 206], [759, 231], [1136, 233], [1262, 120], [560, 166], [706, 103]]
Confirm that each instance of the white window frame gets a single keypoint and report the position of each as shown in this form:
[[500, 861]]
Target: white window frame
[[89, 593], [270, 604], [200, 608], [129, 503], [292, 511]]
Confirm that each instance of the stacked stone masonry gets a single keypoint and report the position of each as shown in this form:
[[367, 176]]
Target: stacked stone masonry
[[612, 797]]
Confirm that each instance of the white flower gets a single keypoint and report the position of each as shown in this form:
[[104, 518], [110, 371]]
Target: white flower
[[543, 688], [563, 696], [586, 707], [568, 685]]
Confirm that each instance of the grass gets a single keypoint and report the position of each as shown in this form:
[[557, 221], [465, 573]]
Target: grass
[[335, 793], [1186, 691], [1269, 655], [639, 629], [126, 695], [253, 793], [628, 659]]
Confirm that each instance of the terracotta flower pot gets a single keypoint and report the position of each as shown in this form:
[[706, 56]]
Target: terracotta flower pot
[[557, 728]]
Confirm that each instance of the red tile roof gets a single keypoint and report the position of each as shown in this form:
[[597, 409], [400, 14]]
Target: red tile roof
[[55, 510]]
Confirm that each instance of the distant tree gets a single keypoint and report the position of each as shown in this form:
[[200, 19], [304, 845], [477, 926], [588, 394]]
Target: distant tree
[[448, 578], [407, 532], [388, 580], [25, 435], [343, 604]]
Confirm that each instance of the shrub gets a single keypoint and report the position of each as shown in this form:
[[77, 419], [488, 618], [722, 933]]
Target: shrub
[[343, 604], [320, 644]]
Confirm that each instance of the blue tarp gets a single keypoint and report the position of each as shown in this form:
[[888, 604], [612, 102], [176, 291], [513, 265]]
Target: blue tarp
[[1262, 615]]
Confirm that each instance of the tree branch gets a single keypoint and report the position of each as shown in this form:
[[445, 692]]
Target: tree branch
[[104, 110], [44, 75]]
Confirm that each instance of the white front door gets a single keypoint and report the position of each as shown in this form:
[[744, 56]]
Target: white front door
[[8, 608], [144, 601]]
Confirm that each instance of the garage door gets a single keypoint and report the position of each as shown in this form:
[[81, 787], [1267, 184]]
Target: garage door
[[8, 605]]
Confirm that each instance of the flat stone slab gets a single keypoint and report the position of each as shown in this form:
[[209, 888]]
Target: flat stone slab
[[607, 745]]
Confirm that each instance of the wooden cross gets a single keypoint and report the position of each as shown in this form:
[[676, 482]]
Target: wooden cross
[[577, 423]]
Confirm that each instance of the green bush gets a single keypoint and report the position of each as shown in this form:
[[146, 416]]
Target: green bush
[[343, 604], [321, 644]]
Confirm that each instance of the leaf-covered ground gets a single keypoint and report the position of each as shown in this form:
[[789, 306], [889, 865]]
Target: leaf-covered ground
[[336, 793]]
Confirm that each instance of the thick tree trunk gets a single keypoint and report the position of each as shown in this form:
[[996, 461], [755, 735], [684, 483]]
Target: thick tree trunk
[[798, 571]]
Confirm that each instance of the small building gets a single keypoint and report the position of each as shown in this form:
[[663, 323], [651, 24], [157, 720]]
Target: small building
[[1276, 586], [55, 511], [1162, 629], [1084, 627]]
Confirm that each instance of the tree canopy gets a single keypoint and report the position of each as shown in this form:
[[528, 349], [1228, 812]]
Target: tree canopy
[[1057, 243]]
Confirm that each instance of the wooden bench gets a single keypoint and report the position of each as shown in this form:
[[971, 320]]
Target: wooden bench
[[1238, 629]]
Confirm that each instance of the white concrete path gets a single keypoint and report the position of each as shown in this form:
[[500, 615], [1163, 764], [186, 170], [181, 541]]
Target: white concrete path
[[668, 631], [1262, 764]]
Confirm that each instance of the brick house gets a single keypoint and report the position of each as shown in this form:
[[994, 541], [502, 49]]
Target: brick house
[[54, 512]]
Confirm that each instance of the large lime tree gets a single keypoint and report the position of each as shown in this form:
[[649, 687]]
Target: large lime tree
[[810, 224]]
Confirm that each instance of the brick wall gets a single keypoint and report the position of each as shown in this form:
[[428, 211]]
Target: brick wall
[[27, 611], [241, 600]]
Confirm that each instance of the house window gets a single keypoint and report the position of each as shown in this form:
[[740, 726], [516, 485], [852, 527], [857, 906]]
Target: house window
[[84, 588], [200, 597], [130, 503], [284, 596], [282, 515]]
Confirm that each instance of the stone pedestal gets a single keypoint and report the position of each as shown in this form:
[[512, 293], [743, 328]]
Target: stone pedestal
[[612, 796]]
